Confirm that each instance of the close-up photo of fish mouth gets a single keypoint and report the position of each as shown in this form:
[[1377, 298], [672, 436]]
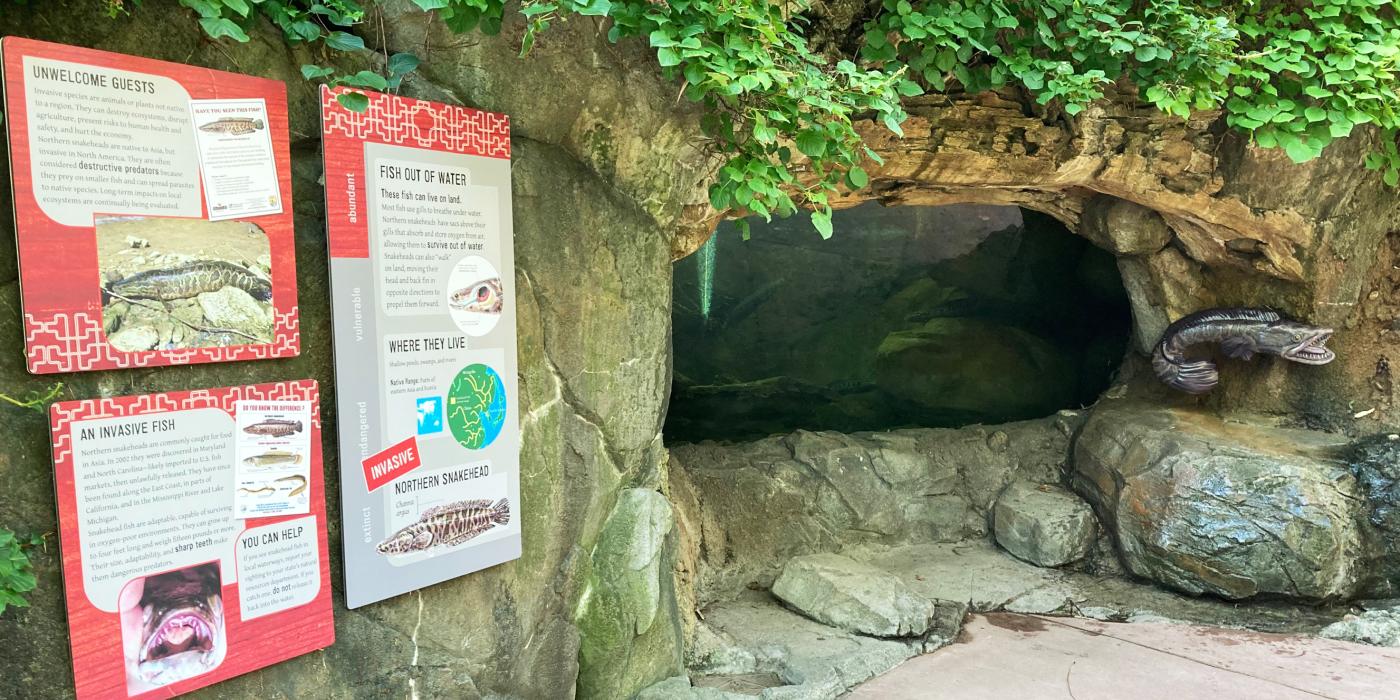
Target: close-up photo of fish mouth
[[184, 283], [183, 624], [447, 525], [233, 126], [484, 297]]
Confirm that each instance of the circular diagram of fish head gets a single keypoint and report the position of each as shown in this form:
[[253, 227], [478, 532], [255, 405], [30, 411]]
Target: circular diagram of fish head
[[475, 295]]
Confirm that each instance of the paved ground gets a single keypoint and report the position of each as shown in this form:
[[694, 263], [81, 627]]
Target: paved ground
[[1003, 656]]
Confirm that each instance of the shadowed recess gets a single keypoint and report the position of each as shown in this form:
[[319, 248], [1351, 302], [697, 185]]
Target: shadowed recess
[[907, 316]]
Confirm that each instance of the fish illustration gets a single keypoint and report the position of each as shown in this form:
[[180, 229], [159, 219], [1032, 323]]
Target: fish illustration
[[484, 297], [273, 458], [260, 491], [274, 427], [447, 525], [1241, 333], [296, 481], [233, 126], [191, 279], [182, 634]]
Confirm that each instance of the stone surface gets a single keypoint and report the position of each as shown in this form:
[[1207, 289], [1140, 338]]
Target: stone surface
[[1234, 509], [1375, 460], [593, 272], [813, 661], [1123, 228], [628, 623], [840, 592], [679, 688], [974, 370], [986, 578], [135, 338], [1376, 627], [744, 510], [232, 308], [1043, 524]]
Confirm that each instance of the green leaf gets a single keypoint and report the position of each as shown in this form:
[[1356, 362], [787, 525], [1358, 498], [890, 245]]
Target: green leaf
[[430, 5], [366, 79], [344, 41], [668, 56], [821, 221], [402, 64], [856, 177], [353, 101], [812, 143], [311, 72], [218, 28], [1391, 177]]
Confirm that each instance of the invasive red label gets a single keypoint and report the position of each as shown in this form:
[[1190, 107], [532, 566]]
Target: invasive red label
[[392, 463]]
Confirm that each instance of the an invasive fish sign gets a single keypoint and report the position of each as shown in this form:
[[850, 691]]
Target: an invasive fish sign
[[1240, 333]]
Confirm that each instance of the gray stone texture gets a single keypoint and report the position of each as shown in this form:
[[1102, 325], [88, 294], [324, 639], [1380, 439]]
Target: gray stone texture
[[1231, 508], [744, 510], [1044, 524], [840, 592], [1122, 227]]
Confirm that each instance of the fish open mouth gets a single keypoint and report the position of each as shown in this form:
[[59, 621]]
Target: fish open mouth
[[181, 632], [1313, 351]]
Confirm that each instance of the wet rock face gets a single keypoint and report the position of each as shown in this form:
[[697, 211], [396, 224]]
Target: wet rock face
[[1232, 509], [1376, 463], [1044, 524], [847, 595]]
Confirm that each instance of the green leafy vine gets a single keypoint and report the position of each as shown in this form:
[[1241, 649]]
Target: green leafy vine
[[1292, 74], [16, 572]]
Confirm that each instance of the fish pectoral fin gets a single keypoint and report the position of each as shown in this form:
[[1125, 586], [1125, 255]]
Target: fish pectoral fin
[[423, 540], [1239, 348]]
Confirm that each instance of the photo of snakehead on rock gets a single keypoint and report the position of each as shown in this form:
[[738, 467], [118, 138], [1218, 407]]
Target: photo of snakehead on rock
[[171, 283]]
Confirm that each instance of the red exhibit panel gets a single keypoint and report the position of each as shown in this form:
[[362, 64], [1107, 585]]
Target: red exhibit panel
[[153, 211], [192, 529]]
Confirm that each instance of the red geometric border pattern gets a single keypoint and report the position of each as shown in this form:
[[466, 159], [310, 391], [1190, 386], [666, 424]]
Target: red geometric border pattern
[[76, 343], [405, 122], [118, 406]]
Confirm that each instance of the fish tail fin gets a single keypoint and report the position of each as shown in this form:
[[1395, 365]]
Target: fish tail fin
[[1196, 377], [500, 513], [299, 426]]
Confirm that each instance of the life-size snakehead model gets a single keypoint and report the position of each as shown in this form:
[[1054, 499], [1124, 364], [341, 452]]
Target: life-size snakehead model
[[1240, 333]]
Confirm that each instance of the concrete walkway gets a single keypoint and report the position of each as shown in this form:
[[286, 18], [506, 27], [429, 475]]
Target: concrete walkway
[[1003, 656]]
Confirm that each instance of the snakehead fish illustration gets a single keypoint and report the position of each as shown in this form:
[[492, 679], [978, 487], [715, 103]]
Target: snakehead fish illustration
[[191, 279], [274, 427], [182, 633], [232, 126], [273, 458], [447, 525], [1240, 333], [485, 297]]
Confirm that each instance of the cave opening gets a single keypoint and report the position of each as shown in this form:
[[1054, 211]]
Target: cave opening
[[911, 316]]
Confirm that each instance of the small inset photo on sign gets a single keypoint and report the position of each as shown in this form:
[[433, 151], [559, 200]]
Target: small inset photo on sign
[[475, 295], [172, 626], [172, 283]]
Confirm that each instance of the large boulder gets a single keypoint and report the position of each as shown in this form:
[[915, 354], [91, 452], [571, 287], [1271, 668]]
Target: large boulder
[[975, 370], [851, 596], [1229, 508], [1044, 524]]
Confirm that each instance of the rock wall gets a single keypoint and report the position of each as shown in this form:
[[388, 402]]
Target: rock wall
[[593, 270]]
